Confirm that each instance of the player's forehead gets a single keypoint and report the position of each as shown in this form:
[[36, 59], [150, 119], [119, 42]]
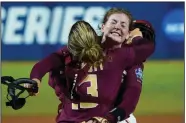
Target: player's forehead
[[119, 17]]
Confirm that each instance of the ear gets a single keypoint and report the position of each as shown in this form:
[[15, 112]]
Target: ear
[[102, 28]]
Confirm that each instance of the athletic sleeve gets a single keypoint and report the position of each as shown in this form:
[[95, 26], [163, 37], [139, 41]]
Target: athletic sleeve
[[129, 94], [44, 66], [135, 54]]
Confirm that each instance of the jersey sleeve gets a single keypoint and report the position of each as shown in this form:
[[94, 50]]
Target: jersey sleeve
[[45, 65], [129, 94], [135, 54]]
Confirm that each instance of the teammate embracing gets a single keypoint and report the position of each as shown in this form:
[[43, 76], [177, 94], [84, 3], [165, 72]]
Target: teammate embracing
[[87, 75], [115, 22]]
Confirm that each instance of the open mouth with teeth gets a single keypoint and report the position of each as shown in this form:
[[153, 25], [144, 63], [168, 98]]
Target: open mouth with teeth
[[116, 33]]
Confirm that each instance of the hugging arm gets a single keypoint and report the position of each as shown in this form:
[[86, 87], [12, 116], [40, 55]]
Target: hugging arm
[[42, 67]]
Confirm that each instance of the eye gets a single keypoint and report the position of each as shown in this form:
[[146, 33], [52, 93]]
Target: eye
[[113, 22], [123, 26]]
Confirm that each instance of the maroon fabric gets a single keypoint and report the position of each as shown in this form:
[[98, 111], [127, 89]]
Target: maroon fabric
[[108, 81]]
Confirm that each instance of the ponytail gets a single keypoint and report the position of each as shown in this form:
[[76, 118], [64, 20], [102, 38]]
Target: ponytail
[[84, 43]]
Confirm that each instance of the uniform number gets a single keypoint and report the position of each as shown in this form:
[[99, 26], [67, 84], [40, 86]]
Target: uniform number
[[92, 90]]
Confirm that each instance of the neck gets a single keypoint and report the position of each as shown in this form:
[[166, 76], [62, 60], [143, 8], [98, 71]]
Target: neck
[[111, 45], [116, 46]]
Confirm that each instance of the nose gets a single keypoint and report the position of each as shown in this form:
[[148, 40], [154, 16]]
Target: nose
[[118, 26]]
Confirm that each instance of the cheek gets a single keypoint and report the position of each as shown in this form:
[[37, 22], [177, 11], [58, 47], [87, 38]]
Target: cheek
[[108, 26], [106, 29], [126, 32]]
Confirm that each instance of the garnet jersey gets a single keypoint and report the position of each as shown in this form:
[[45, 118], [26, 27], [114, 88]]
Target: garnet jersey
[[95, 95], [129, 93], [97, 92]]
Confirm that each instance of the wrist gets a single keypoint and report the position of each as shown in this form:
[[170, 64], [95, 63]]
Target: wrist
[[37, 80], [116, 115]]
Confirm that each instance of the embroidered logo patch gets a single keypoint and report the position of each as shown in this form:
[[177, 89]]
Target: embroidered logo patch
[[139, 74]]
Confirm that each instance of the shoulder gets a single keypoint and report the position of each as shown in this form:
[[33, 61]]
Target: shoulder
[[62, 51], [61, 54]]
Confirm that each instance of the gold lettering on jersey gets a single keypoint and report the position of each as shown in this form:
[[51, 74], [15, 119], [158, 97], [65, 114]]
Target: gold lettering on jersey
[[83, 65], [101, 66], [75, 106], [91, 69], [92, 90], [88, 105], [95, 68]]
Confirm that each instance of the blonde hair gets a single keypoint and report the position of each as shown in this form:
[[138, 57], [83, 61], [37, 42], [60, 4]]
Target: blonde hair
[[83, 43]]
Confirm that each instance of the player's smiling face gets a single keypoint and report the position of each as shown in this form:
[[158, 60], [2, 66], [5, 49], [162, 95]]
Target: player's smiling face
[[116, 27]]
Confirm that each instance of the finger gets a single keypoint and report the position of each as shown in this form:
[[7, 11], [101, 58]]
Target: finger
[[33, 94], [135, 32], [38, 81], [136, 29]]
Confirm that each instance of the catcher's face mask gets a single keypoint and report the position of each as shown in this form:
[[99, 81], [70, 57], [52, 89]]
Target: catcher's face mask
[[13, 85]]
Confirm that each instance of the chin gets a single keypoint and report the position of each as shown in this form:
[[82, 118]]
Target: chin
[[117, 40]]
